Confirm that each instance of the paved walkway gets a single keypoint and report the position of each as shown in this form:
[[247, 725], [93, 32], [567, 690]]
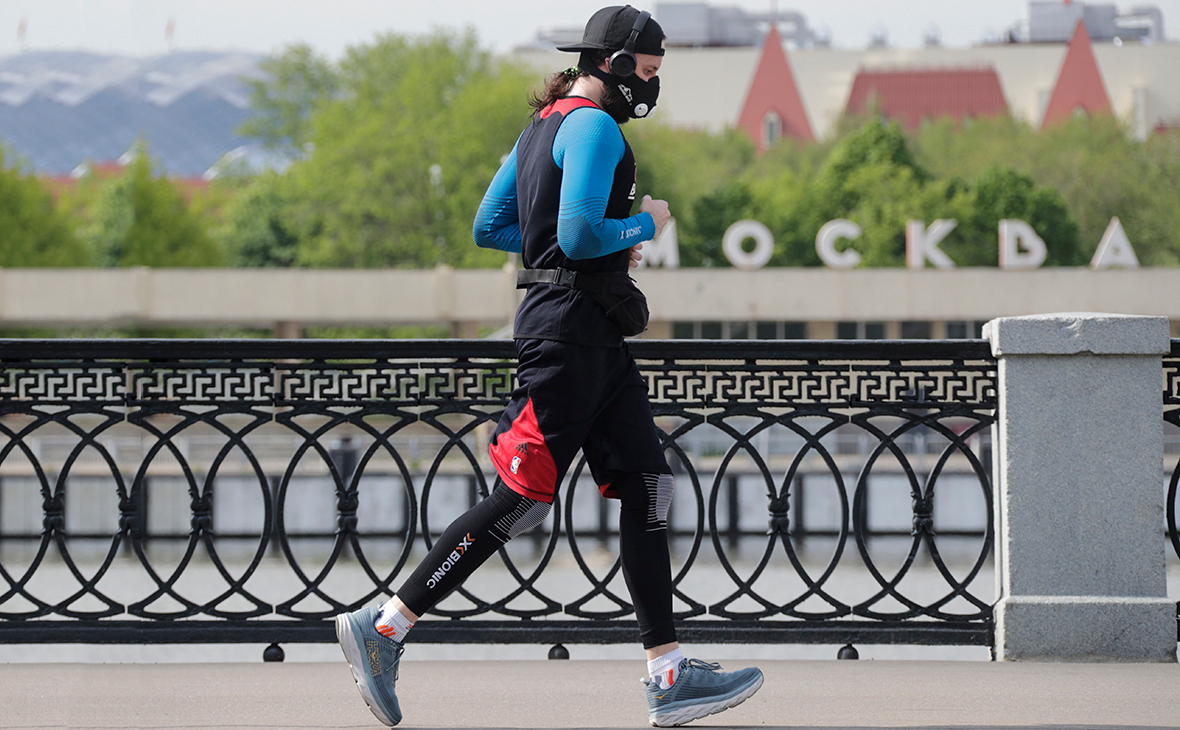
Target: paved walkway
[[589, 694]]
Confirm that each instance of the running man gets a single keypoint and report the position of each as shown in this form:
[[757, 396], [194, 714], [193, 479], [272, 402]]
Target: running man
[[563, 199]]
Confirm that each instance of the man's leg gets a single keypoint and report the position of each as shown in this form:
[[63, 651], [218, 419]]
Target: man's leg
[[467, 543], [680, 689], [643, 551], [372, 638]]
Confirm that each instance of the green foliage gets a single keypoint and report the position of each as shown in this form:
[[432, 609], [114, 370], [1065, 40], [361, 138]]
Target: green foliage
[[1003, 193], [405, 137], [284, 99], [869, 177], [139, 219], [256, 231], [1157, 225], [873, 178], [713, 213], [1095, 167], [682, 167], [396, 143], [874, 144], [32, 232]]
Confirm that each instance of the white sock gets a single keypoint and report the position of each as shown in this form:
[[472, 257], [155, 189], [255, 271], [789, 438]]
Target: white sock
[[391, 623], [664, 670]]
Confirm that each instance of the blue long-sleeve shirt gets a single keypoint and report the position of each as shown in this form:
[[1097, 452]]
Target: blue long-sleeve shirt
[[587, 147]]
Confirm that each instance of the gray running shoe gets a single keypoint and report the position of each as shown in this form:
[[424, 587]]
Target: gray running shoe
[[701, 689], [373, 660]]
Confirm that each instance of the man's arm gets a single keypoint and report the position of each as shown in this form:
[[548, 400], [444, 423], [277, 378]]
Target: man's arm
[[497, 222], [587, 148]]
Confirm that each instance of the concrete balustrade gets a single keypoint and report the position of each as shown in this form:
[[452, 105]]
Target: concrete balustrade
[[1080, 558]]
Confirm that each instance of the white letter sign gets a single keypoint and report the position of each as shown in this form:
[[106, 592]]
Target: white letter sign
[[664, 250], [1012, 234], [825, 244], [921, 244], [735, 235], [1115, 249]]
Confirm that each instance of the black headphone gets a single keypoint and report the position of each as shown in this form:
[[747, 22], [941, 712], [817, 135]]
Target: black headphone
[[623, 62]]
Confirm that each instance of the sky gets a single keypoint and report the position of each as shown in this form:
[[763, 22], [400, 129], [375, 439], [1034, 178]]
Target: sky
[[139, 27]]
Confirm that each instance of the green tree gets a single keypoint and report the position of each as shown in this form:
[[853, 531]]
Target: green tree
[[1159, 220], [686, 166], [712, 214], [1096, 167], [1003, 193], [402, 149], [292, 86], [139, 219], [32, 231], [256, 231], [1101, 171], [869, 177], [873, 178]]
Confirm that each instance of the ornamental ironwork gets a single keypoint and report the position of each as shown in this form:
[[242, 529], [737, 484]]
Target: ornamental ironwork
[[827, 492], [1172, 446]]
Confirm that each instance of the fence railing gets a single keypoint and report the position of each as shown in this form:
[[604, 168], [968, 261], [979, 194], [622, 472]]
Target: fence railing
[[246, 491], [1172, 417]]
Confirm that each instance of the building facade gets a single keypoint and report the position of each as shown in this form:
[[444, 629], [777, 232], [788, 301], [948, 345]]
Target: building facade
[[811, 88]]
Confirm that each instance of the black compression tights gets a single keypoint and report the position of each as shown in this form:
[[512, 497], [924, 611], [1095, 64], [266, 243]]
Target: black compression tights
[[643, 550], [470, 540], [643, 547]]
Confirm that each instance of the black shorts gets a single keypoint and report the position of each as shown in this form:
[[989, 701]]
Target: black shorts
[[572, 397]]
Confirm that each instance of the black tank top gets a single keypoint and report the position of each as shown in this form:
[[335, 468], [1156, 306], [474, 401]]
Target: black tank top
[[550, 311]]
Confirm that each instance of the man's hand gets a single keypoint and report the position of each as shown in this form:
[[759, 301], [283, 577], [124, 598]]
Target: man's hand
[[658, 210], [636, 257]]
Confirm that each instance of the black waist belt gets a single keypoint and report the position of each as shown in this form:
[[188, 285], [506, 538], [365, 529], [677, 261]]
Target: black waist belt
[[586, 281], [615, 291], [561, 277]]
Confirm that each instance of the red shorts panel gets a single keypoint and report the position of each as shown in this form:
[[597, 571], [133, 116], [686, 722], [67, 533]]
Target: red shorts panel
[[572, 398], [522, 458]]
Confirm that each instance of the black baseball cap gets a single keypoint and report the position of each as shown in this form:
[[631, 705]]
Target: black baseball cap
[[609, 28]]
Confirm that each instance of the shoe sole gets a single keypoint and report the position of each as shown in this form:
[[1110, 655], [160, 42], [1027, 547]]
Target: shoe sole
[[696, 712], [356, 658]]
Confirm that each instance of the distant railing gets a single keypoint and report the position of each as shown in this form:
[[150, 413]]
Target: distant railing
[[1172, 417], [159, 491]]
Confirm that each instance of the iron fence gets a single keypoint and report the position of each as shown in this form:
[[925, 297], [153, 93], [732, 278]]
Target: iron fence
[[159, 491], [1172, 420]]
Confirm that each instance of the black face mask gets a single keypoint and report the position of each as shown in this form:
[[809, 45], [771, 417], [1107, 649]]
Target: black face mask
[[633, 98]]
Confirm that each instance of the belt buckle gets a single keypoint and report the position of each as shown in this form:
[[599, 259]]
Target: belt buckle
[[565, 277]]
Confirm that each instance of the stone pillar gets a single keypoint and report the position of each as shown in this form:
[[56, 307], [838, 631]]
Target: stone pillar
[[287, 330], [1079, 489]]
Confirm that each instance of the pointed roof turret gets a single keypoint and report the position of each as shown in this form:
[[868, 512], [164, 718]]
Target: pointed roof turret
[[1079, 85], [772, 102]]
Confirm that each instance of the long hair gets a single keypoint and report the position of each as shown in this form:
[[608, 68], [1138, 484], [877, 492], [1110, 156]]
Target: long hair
[[558, 85]]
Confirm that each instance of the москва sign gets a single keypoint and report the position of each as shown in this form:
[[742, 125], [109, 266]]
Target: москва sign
[[1020, 246]]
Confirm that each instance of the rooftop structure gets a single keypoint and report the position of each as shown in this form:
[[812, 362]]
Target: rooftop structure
[[911, 96], [701, 25], [773, 108], [1079, 86], [704, 25], [1053, 21]]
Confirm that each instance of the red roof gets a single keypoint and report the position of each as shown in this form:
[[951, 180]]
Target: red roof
[[189, 187], [1079, 85], [773, 90], [909, 96]]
